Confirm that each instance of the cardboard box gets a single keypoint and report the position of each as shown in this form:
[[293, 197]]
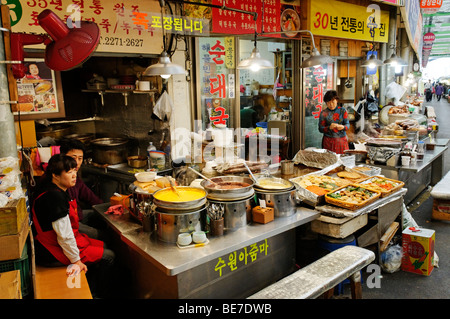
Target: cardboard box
[[262, 215], [418, 250], [441, 209], [12, 216], [10, 285], [11, 246], [338, 227]]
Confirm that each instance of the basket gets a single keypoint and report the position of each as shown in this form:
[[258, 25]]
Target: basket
[[23, 265], [383, 192], [351, 206]]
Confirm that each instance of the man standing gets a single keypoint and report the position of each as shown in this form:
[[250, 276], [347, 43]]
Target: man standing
[[439, 91], [428, 93]]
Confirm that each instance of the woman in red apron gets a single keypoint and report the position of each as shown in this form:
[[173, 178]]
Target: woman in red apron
[[333, 123], [55, 220]]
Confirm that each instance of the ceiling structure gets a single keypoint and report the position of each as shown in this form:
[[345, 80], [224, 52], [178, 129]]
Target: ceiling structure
[[439, 24]]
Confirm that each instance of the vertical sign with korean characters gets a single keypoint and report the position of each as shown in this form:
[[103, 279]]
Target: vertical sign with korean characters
[[125, 27], [217, 81], [343, 20], [317, 81]]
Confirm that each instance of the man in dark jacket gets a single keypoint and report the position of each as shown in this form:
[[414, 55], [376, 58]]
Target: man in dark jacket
[[439, 91], [81, 193]]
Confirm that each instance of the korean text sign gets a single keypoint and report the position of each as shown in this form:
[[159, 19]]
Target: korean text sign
[[343, 20], [216, 56], [127, 26]]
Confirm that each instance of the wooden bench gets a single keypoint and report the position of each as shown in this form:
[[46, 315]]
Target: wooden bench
[[320, 277], [53, 283]]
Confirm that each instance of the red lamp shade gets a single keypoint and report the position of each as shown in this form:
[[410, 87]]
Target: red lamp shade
[[70, 47], [65, 48]]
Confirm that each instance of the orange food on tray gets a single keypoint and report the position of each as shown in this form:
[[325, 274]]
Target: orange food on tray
[[317, 190]]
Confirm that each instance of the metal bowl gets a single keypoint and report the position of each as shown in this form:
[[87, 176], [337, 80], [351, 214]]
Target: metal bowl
[[246, 184], [180, 206], [137, 161]]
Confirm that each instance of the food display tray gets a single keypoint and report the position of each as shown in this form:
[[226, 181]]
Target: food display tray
[[383, 192], [351, 206]]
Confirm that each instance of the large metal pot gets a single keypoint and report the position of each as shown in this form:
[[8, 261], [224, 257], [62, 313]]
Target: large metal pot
[[169, 224], [218, 191], [182, 205], [282, 201], [56, 131], [84, 138], [109, 150]]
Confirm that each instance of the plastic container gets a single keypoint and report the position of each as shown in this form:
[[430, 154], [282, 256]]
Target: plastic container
[[157, 160], [150, 148]]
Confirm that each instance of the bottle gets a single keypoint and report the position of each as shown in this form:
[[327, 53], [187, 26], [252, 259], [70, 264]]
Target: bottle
[[150, 147]]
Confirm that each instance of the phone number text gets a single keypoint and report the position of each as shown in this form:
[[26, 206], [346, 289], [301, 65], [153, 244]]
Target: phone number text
[[124, 42]]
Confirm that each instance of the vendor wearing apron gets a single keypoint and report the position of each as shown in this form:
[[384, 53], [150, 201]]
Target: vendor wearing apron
[[333, 123], [55, 218]]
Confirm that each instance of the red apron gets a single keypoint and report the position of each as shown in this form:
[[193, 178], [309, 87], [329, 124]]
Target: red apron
[[91, 250]]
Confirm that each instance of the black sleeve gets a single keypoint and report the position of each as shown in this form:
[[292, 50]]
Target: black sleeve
[[50, 207]]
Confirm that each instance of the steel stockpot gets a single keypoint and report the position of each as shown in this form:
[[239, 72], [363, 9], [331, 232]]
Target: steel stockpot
[[171, 223], [109, 150], [282, 201], [181, 216]]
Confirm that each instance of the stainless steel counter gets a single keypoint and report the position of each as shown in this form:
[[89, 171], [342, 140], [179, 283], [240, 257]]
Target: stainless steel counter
[[419, 175], [429, 157], [173, 260]]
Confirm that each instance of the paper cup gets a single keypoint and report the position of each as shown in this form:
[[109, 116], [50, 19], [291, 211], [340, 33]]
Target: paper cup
[[406, 160]]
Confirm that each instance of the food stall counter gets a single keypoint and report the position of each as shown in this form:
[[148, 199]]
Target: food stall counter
[[419, 175], [197, 272]]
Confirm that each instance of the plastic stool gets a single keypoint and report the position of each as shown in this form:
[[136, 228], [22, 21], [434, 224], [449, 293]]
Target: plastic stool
[[331, 244]]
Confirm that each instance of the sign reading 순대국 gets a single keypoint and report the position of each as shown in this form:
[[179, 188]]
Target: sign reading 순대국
[[343, 20]]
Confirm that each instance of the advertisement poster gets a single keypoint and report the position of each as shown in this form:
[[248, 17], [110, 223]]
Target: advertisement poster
[[37, 92]]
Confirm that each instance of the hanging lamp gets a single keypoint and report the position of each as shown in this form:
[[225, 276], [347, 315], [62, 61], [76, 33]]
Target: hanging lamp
[[394, 60], [316, 59], [164, 68], [255, 62], [372, 62]]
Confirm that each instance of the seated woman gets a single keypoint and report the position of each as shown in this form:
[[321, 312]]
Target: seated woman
[[55, 225]]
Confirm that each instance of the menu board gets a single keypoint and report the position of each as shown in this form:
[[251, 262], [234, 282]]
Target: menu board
[[272, 16], [217, 81], [227, 21]]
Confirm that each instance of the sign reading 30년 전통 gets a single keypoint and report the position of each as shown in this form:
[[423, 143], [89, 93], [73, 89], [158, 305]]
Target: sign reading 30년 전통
[[343, 20]]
